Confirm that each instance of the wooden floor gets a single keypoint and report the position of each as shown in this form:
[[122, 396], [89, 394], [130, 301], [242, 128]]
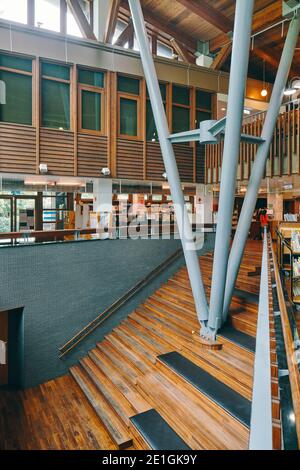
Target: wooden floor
[[122, 377]]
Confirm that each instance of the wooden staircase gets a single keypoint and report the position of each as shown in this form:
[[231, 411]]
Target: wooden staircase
[[122, 376]]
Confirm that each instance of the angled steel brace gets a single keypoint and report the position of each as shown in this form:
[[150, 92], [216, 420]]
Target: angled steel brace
[[236, 98], [259, 165], [210, 132], [184, 226]]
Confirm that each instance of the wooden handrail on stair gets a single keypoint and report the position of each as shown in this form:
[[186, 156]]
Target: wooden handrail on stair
[[293, 365], [90, 327]]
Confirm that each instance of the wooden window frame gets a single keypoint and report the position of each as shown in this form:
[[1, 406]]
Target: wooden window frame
[[28, 74], [60, 80], [95, 89], [179, 105], [137, 99], [166, 102]]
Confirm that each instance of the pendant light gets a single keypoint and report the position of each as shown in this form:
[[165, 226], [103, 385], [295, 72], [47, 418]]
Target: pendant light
[[264, 91]]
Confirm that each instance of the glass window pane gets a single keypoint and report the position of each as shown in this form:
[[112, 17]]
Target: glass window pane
[[163, 91], [18, 101], [5, 215], [128, 117], [203, 99], [47, 14], [72, 26], [91, 110], [151, 131], [128, 85], [181, 95], [56, 71], [88, 77], [150, 126], [202, 116], [120, 26], [14, 62], [164, 51], [55, 104], [181, 119], [15, 10]]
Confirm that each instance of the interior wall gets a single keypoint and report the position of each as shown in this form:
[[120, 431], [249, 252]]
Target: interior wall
[[47, 44]]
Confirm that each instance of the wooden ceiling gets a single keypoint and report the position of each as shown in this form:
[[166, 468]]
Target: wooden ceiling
[[188, 21]]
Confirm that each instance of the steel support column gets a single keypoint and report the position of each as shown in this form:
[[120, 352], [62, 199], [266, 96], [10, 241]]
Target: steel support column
[[258, 169], [184, 226], [236, 98]]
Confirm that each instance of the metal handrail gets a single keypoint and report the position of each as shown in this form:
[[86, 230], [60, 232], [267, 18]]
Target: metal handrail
[[90, 327], [261, 430]]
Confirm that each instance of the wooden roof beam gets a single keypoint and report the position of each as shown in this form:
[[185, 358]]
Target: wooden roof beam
[[261, 19], [222, 56], [209, 14], [182, 51], [189, 42], [81, 19], [111, 21]]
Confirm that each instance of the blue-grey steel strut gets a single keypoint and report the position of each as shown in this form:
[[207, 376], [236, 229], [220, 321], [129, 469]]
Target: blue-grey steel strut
[[258, 169], [184, 226], [236, 98]]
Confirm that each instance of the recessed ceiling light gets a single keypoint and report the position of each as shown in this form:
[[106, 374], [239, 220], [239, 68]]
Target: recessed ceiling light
[[264, 92]]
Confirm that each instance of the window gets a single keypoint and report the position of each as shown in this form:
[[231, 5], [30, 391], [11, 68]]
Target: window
[[128, 85], [164, 51], [47, 14], [203, 106], [15, 10], [120, 26], [55, 95], [16, 74], [181, 109], [72, 26], [151, 131], [129, 106], [91, 95]]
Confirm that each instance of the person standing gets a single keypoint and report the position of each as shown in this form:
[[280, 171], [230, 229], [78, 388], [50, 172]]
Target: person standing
[[264, 222]]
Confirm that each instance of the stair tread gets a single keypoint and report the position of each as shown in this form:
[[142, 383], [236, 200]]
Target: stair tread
[[231, 401], [117, 430], [238, 337], [157, 432]]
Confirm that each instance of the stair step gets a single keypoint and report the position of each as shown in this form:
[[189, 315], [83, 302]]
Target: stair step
[[238, 337], [232, 402], [157, 433], [243, 324], [114, 398], [196, 417], [114, 426], [113, 375]]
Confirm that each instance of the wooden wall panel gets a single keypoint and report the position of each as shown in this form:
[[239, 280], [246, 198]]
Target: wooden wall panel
[[92, 155], [200, 164], [57, 150], [184, 159], [155, 166], [130, 159], [17, 149]]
